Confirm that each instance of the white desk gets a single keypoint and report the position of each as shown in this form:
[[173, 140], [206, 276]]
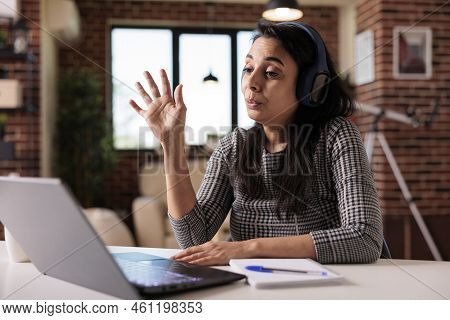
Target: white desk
[[386, 279]]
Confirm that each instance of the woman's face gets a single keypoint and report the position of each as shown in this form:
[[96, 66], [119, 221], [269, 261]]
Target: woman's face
[[269, 83]]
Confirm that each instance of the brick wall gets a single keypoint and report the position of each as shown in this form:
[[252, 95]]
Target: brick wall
[[122, 186], [22, 126], [422, 154]]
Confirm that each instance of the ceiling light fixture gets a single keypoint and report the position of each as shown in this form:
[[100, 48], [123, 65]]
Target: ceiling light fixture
[[210, 79], [282, 10]]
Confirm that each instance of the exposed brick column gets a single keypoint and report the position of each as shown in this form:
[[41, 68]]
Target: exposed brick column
[[422, 155]]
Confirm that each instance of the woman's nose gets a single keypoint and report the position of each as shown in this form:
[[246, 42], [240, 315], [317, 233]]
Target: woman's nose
[[253, 83]]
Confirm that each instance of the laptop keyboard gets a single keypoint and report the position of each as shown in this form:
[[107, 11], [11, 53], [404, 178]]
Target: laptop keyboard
[[144, 274]]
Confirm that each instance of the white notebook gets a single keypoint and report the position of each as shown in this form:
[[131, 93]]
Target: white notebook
[[270, 273]]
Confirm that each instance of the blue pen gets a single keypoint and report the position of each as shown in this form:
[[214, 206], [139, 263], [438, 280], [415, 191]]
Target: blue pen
[[277, 270]]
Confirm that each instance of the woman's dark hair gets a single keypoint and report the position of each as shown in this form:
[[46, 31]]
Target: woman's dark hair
[[294, 179]]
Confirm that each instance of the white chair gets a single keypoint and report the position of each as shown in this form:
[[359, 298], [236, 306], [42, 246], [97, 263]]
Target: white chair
[[111, 229]]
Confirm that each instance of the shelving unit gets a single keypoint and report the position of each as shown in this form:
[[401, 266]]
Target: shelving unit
[[7, 147], [29, 58], [8, 55]]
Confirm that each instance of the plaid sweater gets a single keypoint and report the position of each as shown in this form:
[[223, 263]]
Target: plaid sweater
[[342, 216]]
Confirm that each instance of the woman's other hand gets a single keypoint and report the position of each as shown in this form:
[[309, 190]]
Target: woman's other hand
[[214, 253], [164, 115]]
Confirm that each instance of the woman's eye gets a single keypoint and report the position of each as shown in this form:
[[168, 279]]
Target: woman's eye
[[271, 74], [246, 70]]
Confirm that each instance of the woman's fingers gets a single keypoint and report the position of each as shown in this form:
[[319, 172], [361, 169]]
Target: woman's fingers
[[151, 83], [189, 251], [165, 83], [192, 257], [143, 93], [135, 106], [179, 95], [185, 253], [206, 261], [210, 253]]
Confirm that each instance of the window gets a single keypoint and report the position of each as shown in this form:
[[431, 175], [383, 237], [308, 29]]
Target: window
[[243, 46], [132, 52], [209, 105], [188, 55]]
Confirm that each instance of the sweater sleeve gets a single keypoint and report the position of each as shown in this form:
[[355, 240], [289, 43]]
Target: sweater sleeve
[[359, 238], [213, 201]]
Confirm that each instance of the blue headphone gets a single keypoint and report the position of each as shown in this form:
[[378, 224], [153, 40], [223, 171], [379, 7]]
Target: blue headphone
[[312, 88]]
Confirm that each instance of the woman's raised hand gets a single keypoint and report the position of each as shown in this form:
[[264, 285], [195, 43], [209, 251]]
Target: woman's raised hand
[[164, 115]]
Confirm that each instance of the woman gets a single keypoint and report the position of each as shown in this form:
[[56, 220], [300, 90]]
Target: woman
[[298, 182]]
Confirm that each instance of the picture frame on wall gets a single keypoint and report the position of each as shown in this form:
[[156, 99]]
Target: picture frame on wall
[[9, 8], [412, 54], [364, 57]]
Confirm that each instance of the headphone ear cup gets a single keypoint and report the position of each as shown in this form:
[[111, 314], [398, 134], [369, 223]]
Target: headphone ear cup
[[319, 90], [313, 83], [312, 88], [304, 87], [299, 91]]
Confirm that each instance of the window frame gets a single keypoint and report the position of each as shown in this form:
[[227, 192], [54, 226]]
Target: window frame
[[176, 32]]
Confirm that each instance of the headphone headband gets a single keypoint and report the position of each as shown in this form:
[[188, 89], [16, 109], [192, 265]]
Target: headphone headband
[[312, 88]]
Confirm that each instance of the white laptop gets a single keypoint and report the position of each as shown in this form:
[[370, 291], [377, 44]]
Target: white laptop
[[48, 223]]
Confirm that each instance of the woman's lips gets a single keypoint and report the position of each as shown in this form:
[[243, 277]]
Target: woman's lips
[[252, 104]]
